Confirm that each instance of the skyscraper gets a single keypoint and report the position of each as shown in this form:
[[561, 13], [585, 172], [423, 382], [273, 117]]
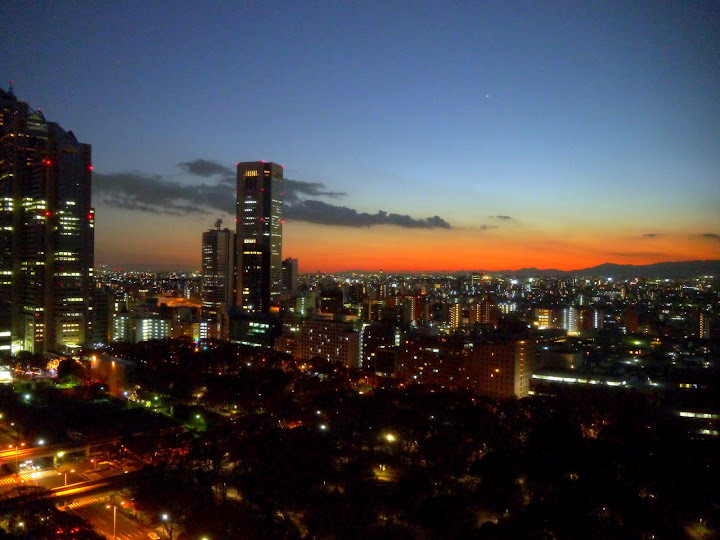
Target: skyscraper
[[290, 275], [259, 235], [218, 266], [46, 231], [218, 278]]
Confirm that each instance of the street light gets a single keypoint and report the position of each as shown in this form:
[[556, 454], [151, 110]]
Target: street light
[[73, 470], [17, 447], [114, 519], [168, 528]]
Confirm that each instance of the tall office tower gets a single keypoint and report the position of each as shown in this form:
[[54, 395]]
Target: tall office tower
[[290, 275], [46, 230], [218, 266], [219, 250], [259, 235], [103, 299]]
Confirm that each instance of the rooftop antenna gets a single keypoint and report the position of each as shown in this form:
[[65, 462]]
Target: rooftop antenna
[[12, 88], [218, 223]]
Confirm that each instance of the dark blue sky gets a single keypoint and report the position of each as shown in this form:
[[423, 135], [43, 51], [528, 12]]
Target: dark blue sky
[[560, 115]]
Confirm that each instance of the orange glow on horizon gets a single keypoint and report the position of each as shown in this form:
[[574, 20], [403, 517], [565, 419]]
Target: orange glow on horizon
[[162, 242]]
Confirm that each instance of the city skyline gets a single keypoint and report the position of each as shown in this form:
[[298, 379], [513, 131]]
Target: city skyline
[[442, 138]]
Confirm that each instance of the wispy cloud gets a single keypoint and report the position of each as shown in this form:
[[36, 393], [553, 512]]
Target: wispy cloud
[[637, 254], [653, 235], [156, 194], [295, 188], [710, 236], [205, 169], [313, 211], [164, 195], [500, 217]]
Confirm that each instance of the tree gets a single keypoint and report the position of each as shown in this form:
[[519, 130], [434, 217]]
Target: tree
[[69, 368]]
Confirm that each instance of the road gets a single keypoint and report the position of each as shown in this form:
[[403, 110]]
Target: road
[[47, 478], [101, 517], [22, 453]]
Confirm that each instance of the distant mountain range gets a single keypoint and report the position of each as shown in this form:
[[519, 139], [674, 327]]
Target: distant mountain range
[[663, 270]]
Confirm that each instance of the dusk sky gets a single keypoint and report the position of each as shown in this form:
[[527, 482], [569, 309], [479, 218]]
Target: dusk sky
[[415, 135]]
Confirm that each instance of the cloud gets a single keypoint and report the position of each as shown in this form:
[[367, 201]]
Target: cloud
[[638, 254], [155, 194], [161, 195], [204, 168], [653, 235], [295, 188], [500, 217], [710, 236], [313, 211]]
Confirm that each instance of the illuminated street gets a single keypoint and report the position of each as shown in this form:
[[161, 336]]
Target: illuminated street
[[101, 518]]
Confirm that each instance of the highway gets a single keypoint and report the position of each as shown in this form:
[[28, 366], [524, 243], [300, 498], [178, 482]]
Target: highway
[[65, 494], [22, 453]]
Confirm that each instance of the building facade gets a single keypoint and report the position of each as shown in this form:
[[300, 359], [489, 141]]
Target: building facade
[[502, 368], [290, 275], [46, 231], [259, 235], [218, 279], [218, 267], [334, 340]]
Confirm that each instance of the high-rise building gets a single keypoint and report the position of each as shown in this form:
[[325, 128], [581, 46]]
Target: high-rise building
[[103, 300], [571, 320], [218, 276], [259, 235], [632, 321], [485, 312], [502, 368], [334, 340], [455, 315], [704, 325], [46, 231], [544, 318], [290, 275]]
